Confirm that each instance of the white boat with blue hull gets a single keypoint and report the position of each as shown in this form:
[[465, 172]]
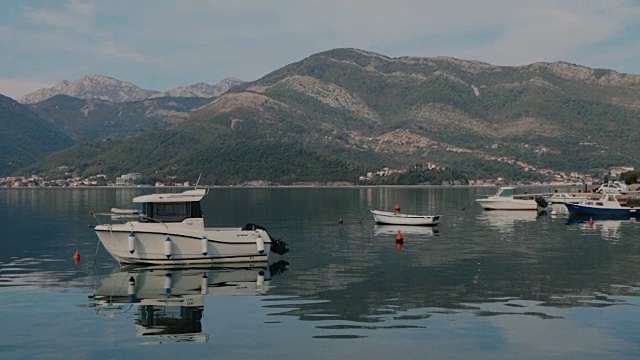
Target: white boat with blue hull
[[170, 230], [608, 205]]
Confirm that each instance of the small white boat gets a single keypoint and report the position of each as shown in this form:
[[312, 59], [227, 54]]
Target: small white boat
[[123, 214], [505, 199], [391, 218], [566, 198], [170, 230], [556, 201], [118, 211]]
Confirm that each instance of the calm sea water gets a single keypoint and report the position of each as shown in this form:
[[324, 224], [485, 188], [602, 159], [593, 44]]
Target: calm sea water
[[482, 285]]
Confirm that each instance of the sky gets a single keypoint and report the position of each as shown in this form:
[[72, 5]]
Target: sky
[[161, 44]]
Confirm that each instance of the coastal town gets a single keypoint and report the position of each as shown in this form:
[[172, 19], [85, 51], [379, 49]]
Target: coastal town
[[558, 178]]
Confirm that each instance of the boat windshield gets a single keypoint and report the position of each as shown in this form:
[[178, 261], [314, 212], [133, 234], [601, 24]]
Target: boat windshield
[[169, 212], [505, 193]]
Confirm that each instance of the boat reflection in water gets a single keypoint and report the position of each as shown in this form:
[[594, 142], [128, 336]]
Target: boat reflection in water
[[610, 226], [169, 301], [506, 220], [405, 229]]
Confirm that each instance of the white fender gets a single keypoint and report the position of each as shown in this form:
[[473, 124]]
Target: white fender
[[168, 283], [131, 290], [260, 280], [167, 247], [260, 244], [205, 246], [204, 286], [132, 242]]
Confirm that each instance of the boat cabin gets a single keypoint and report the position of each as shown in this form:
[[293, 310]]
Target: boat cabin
[[170, 207]]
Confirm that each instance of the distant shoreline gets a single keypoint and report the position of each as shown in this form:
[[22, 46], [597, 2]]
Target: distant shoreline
[[294, 186]]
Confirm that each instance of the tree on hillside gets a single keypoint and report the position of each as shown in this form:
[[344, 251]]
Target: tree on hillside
[[630, 177]]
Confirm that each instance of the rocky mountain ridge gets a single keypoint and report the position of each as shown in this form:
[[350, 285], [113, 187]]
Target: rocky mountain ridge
[[110, 89], [201, 89], [340, 112]]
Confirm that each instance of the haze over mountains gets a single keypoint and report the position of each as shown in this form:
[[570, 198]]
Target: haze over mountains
[[114, 90], [341, 113]]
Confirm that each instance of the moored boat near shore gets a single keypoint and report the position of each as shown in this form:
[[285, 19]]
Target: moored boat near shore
[[505, 199], [390, 218], [170, 230], [608, 205]]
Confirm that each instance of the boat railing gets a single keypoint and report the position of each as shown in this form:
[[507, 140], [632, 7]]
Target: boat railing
[[125, 217]]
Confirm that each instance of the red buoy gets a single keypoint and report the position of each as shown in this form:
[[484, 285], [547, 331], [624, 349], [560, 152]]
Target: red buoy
[[76, 256], [399, 236], [90, 212], [591, 222], [397, 207]]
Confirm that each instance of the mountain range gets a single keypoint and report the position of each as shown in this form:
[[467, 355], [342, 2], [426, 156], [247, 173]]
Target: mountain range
[[114, 90], [339, 114]]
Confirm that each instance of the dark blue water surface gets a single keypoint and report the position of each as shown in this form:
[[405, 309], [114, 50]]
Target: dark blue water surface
[[482, 285]]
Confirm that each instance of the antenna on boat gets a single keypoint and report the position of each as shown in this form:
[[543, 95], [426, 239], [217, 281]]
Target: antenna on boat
[[197, 182]]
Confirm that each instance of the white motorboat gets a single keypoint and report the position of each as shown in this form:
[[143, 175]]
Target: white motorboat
[[390, 218], [505, 199], [170, 229], [566, 198], [555, 202]]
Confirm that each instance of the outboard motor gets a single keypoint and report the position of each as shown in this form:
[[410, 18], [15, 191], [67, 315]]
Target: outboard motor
[[542, 202], [277, 246], [542, 205]]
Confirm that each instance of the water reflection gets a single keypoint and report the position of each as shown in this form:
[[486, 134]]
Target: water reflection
[[506, 220], [610, 227], [405, 229], [489, 280], [168, 302]]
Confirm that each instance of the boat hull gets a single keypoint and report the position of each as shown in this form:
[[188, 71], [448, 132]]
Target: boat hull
[[389, 218], [507, 204], [582, 210], [186, 246]]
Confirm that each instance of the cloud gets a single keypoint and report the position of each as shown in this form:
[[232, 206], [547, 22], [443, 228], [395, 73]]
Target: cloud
[[76, 16], [500, 31], [165, 43], [77, 24]]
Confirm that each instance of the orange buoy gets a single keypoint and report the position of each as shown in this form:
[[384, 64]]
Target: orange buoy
[[399, 246], [397, 207], [399, 236], [76, 256], [591, 222]]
